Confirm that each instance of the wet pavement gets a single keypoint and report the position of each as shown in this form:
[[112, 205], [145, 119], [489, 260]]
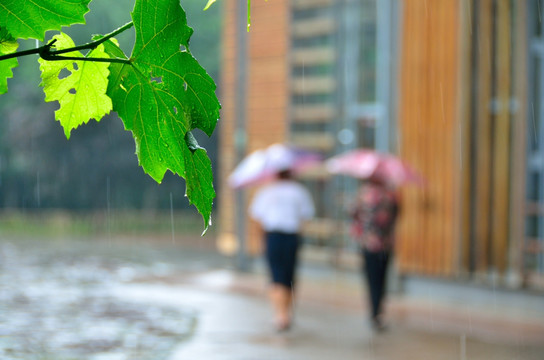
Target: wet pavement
[[234, 323], [104, 300], [58, 302]]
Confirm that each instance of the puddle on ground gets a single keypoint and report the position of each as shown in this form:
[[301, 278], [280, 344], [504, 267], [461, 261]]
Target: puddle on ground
[[58, 305]]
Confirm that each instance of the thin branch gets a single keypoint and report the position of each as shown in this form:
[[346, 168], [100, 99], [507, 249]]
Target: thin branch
[[21, 53], [110, 60], [46, 53], [94, 44], [39, 51]]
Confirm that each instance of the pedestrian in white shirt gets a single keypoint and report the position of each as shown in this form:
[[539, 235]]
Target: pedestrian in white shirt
[[281, 208]]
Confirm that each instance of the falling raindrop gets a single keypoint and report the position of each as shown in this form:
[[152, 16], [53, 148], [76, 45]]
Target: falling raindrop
[[108, 215], [303, 83], [38, 197], [442, 97], [460, 147], [172, 217], [534, 124]]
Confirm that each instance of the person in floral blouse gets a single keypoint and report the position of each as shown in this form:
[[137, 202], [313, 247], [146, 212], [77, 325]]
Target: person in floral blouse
[[374, 216]]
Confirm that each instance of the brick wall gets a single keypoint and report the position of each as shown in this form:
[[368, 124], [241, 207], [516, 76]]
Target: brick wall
[[267, 100]]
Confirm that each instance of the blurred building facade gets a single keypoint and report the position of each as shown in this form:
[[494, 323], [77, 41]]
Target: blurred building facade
[[451, 86]]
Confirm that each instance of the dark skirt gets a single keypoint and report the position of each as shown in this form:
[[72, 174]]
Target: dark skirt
[[281, 256]]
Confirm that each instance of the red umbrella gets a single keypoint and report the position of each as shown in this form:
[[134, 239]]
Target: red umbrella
[[365, 163], [262, 165]]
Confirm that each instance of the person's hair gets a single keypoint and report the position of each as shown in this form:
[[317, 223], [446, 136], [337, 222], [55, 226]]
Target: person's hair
[[285, 174], [377, 180]]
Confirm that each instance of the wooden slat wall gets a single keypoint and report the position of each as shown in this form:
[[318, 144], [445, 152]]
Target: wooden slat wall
[[428, 124], [501, 134], [487, 189], [412, 228], [483, 136], [465, 135], [519, 143]]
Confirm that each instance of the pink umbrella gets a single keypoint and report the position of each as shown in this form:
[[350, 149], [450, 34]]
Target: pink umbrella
[[365, 163], [262, 165]]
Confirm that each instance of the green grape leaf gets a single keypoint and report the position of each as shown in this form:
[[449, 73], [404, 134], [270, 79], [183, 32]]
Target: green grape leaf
[[8, 45], [161, 31], [162, 95], [199, 178], [81, 94], [150, 113], [32, 18]]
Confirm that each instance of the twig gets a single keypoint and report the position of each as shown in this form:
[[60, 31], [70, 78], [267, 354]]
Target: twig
[[46, 53]]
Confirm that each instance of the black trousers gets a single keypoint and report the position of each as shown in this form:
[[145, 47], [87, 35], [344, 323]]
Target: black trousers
[[375, 268]]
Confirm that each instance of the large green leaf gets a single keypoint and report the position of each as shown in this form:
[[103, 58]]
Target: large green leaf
[[32, 18], [8, 45], [163, 95], [81, 94], [199, 178], [161, 31], [150, 113]]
